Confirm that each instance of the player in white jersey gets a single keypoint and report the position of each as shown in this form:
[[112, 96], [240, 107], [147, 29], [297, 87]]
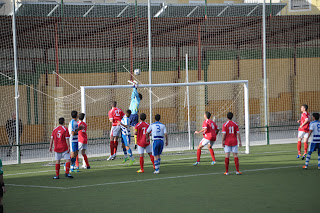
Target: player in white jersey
[[126, 137], [73, 132], [159, 133], [314, 129]]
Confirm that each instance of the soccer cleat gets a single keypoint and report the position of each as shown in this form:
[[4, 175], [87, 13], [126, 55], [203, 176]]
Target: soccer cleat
[[213, 162], [196, 163], [156, 172], [125, 160], [298, 156], [56, 177], [226, 173], [110, 158], [140, 171], [88, 167], [131, 162], [305, 167], [77, 168], [68, 176], [304, 156], [238, 173]]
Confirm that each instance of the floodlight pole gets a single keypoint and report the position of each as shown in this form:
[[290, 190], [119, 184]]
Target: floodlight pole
[[265, 89], [14, 37], [150, 59]]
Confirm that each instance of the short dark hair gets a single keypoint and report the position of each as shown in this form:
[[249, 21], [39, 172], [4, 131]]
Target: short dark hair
[[114, 104], [61, 121], [208, 115], [305, 106], [81, 116], [316, 116], [143, 116], [140, 96], [129, 112], [230, 115], [74, 114], [157, 117]]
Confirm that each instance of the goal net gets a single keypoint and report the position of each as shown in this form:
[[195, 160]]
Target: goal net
[[181, 106]]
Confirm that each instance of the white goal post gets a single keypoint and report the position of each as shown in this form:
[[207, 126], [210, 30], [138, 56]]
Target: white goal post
[[85, 89]]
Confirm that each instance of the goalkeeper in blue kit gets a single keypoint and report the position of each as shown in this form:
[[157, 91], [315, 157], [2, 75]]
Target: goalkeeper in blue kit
[[134, 107]]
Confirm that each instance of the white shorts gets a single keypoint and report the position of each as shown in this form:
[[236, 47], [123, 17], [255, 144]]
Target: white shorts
[[115, 131], [147, 148], [233, 149], [204, 142], [82, 146], [302, 134], [59, 155]]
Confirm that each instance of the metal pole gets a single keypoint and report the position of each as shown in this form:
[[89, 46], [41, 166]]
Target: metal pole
[[14, 37], [265, 91], [150, 58], [83, 101], [188, 102], [246, 117]]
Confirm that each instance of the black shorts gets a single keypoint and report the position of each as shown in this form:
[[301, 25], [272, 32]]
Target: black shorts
[[1, 192], [134, 119]]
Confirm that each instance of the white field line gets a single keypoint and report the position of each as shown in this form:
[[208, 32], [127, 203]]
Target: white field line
[[122, 164], [151, 179]]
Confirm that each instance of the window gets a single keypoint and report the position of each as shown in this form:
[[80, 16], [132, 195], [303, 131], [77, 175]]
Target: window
[[300, 5]]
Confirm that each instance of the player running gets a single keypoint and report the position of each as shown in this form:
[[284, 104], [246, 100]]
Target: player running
[[73, 132], [303, 131], [210, 131], [230, 138], [140, 132], [60, 137], [2, 187], [134, 107], [126, 137], [315, 143], [82, 142], [159, 132], [115, 116]]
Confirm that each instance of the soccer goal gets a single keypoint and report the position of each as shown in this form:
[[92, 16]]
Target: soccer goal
[[181, 106]]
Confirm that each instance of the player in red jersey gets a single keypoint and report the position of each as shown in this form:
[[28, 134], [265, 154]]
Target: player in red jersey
[[140, 132], [115, 116], [210, 131], [303, 131], [60, 138], [82, 142], [230, 138]]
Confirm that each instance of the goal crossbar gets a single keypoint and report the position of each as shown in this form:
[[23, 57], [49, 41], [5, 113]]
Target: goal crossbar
[[244, 82]]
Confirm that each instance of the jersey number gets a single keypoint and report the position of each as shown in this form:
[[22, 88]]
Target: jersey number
[[144, 130], [212, 126], [231, 130], [158, 128], [59, 134], [117, 112], [318, 126]]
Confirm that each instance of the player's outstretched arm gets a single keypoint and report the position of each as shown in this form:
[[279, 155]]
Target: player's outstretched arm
[[134, 93], [50, 146], [167, 141], [305, 122], [198, 132], [68, 143], [310, 132]]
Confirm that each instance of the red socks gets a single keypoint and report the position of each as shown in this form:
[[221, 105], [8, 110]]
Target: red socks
[[85, 158], [141, 163], [111, 148], [77, 161], [115, 146], [57, 169], [305, 147], [67, 167], [226, 163], [299, 147], [212, 154], [152, 160], [236, 162], [198, 155]]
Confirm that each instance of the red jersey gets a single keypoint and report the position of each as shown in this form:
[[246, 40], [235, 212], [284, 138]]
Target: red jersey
[[210, 132], [82, 134], [230, 129], [115, 115], [141, 134], [304, 116], [59, 135]]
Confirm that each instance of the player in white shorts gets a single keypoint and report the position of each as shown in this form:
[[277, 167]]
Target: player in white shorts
[[303, 131]]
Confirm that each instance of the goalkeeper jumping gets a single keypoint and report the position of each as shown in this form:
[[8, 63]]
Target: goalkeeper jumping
[[134, 107]]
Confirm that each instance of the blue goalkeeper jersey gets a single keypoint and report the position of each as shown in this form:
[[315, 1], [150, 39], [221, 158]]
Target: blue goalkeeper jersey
[[135, 101]]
